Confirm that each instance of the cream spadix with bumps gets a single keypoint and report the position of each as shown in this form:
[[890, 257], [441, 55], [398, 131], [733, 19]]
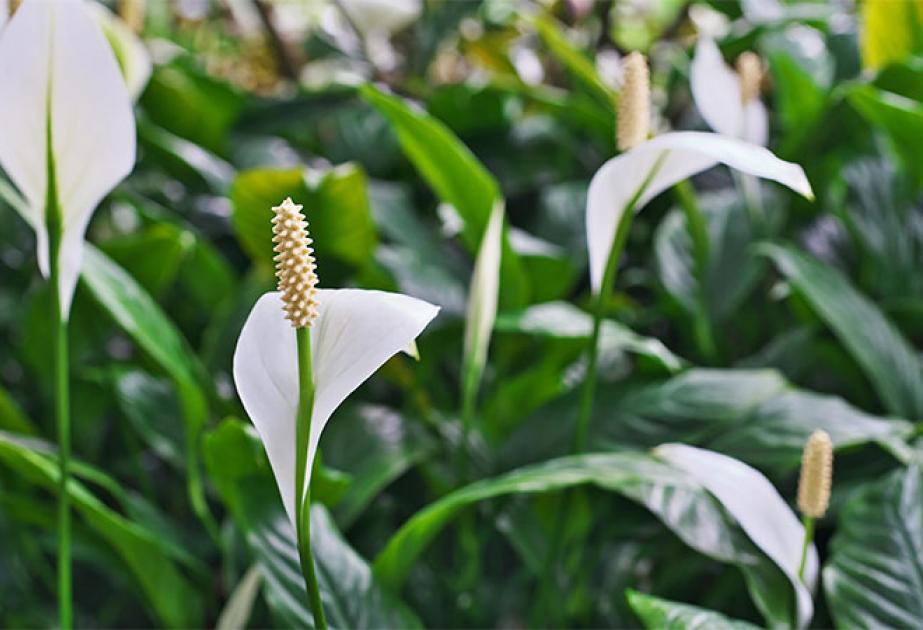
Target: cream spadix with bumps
[[629, 181], [353, 332], [81, 133], [728, 100], [816, 475]]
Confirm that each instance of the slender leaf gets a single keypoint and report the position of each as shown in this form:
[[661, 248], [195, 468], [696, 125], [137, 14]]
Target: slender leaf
[[661, 614]]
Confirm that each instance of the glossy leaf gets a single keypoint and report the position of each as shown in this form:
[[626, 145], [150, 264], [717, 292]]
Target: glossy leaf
[[886, 357], [874, 577], [661, 614], [675, 497], [352, 598]]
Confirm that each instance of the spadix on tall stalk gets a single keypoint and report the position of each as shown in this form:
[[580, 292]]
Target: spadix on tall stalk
[[67, 137], [627, 182], [728, 100], [301, 352]]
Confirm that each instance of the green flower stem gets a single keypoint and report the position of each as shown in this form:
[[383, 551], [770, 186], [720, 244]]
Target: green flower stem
[[302, 494], [546, 596], [54, 224], [698, 233], [808, 539]]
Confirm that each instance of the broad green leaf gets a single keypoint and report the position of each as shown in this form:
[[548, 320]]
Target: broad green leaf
[[891, 31], [889, 361], [187, 102], [566, 321], [661, 614], [172, 597], [142, 319], [680, 502], [874, 577], [351, 596], [455, 175], [185, 160], [901, 118], [374, 445], [336, 205]]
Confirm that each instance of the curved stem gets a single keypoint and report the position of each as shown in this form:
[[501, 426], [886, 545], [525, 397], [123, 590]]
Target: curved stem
[[302, 494]]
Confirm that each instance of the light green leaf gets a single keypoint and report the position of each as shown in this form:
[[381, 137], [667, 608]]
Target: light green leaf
[[662, 614], [891, 31], [874, 578], [889, 361], [336, 205], [236, 612]]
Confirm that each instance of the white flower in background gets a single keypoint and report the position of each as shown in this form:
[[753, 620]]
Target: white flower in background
[[759, 510], [648, 167], [382, 16], [4, 12], [728, 100], [353, 332], [130, 52], [88, 115]]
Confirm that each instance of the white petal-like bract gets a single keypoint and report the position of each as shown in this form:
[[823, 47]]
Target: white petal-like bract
[[355, 333], [716, 92], [382, 16], [759, 509], [682, 154], [484, 291], [59, 73]]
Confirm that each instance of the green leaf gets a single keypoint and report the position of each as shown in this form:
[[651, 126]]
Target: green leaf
[[142, 319], [663, 614], [889, 361], [674, 497], [374, 445], [565, 321], [899, 117], [874, 578], [575, 61], [171, 596], [335, 202], [891, 31], [186, 101], [12, 418], [455, 175], [236, 612], [352, 597]]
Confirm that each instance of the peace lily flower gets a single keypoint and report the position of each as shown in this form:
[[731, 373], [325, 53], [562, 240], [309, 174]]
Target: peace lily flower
[[728, 100], [352, 333], [382, 16], [648, 167], [64, 112]]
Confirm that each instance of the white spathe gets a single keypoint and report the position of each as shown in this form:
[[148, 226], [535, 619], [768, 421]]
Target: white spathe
[[130, 52], [716, 92], [59, 72], [683, 154], [484, 291], [356, 331], [759, 509], [382, 16]]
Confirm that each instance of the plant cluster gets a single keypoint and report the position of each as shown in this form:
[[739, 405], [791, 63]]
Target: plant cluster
[[425, 313]]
